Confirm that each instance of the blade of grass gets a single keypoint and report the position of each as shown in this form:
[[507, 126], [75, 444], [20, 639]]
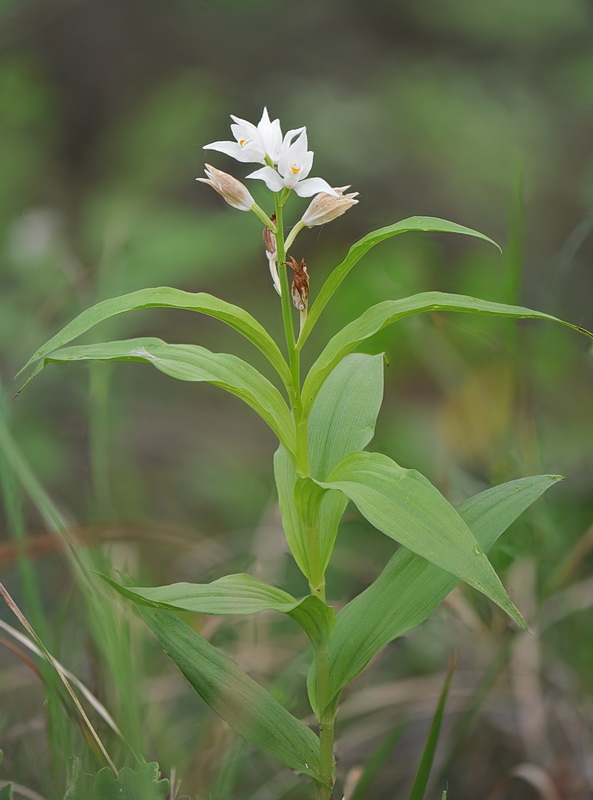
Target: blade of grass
[[84, 690], [26, 625], [11, 498], [425, 766], [458, 736], [110, 632]]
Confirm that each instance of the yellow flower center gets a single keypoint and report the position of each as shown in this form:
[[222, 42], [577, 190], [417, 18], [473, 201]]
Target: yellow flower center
[[295, 170]]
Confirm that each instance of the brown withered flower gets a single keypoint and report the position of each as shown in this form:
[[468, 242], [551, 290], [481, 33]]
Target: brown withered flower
[[300, 285]]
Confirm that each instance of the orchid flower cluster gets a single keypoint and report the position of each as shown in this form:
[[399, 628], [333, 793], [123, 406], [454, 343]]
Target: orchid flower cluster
[[287, 164]]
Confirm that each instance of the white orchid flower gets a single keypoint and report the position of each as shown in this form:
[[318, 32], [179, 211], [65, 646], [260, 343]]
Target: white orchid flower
[[294, 164], [254, 144]]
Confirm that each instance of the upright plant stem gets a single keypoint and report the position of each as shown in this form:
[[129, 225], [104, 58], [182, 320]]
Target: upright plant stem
[[293, 353], [324, 789], [326, 724]]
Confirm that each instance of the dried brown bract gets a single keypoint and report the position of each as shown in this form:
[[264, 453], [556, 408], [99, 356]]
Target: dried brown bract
[[270, 240], [300, 284]]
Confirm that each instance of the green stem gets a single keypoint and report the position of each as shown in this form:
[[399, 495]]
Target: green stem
[[324, 788], [326, 724], [293, 234], [285, 297], [293, 353], [261, 214]]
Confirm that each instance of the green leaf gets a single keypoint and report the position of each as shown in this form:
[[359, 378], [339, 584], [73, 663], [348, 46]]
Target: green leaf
[[190, 362], [285, 477], [345, 411], [241, 702], [360, 248], [342, 420], [6, 792], [425, 766], [410, 588], [141, 784], [165, 297], [235, 594], [404, 505], [378, 317]]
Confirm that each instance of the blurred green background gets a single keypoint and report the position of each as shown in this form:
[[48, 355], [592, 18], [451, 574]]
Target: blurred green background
[[477, 112]]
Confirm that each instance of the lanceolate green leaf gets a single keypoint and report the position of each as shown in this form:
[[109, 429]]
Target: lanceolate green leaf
[[235, 594], [383, 314], [410, 588], [165, 297], [241, 702], [404, 505], [345, 412], [285, 477], [358, 250], [342, 420], [190, 362]]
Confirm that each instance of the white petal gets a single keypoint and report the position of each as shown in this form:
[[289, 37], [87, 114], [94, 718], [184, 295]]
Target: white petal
[[307, 163], [233, 149], [244, 131], [311, 186], [270, 177], [265, 120], [270, 135], [292, 135], [241, 121]]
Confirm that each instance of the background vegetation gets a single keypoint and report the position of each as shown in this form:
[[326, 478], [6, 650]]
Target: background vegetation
[[477, 112]]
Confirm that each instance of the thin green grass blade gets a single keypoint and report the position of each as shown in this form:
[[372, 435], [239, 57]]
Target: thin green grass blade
[[424, 768], [457, 738], [241, 702], [375, 762], [378, 317], [188, 362], [410, 588], [235, 594], [10, 493], [110, 633], [166, 297], [360, 248], [405, 506]]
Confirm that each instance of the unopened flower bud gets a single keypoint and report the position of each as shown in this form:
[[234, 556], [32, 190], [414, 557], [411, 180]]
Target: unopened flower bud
[[229, 188], [325, 207]]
